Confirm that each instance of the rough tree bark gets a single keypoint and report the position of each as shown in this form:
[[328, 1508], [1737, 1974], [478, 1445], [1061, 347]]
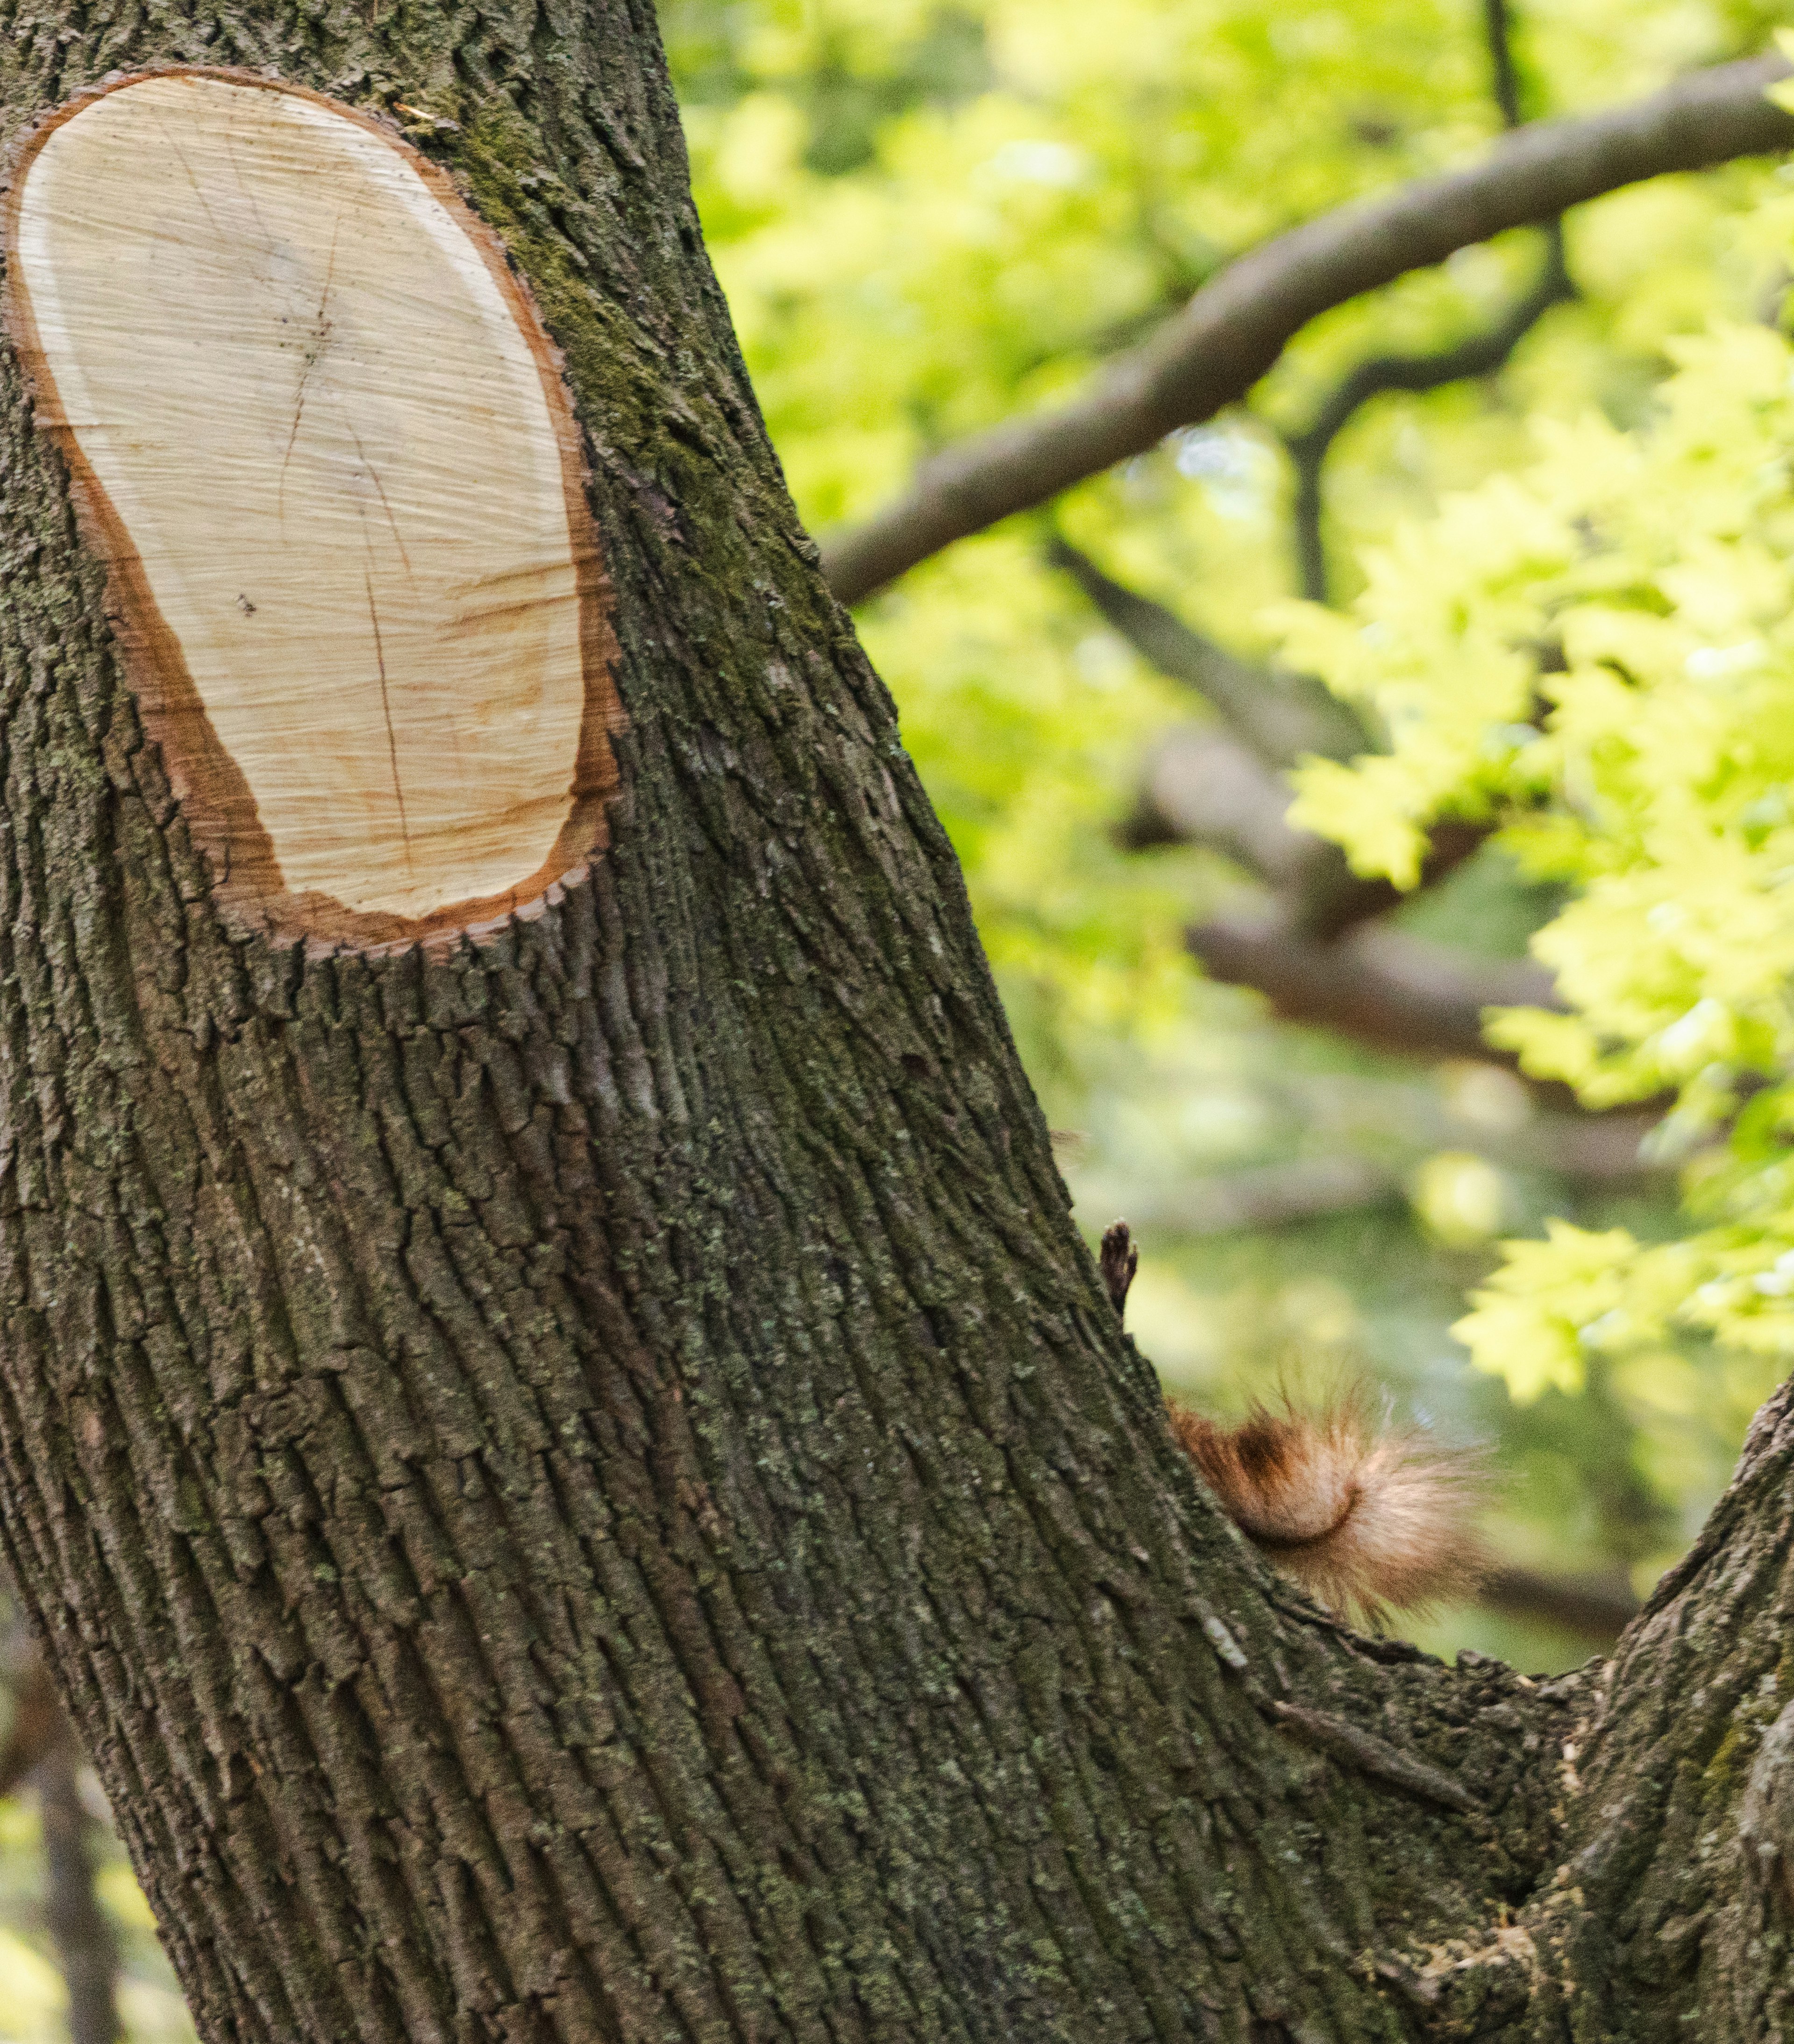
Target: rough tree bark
[[583, 1485]]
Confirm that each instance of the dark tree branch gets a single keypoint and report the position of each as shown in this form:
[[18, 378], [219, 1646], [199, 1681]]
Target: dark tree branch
[[1282, 716], [1504, 80], [1231, 332], [1480, 354], [1597, 1607], [1202, 787], [1198, 787], [1380, 985], [85, 1944]]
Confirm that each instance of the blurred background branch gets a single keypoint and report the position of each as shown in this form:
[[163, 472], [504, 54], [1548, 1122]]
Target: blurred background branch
[[70, 1913], [86, 1946], [1478, 355], [1232, 332]]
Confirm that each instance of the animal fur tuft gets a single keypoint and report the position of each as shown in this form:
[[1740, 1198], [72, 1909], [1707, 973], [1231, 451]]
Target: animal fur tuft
[[1366, 1522]]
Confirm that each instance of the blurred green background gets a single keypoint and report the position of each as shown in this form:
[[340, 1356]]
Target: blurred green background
[[930, 217]]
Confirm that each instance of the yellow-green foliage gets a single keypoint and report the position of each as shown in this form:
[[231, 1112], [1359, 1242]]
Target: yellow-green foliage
[[928, 215], [932, 215], [1598, 654]]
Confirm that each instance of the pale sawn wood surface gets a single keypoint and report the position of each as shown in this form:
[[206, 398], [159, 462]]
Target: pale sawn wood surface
[[328, 452]]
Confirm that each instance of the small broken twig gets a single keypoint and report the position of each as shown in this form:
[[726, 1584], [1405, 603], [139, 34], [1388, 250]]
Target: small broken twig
[[1118, 1261], [1373, 1756]]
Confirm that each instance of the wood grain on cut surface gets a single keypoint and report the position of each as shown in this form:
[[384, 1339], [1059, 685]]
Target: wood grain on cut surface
[[322, 441]]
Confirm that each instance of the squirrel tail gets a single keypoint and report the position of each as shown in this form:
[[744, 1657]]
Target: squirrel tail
[[1366, 1522]]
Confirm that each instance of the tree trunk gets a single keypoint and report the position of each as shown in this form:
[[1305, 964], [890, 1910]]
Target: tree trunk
[[581, 1483]]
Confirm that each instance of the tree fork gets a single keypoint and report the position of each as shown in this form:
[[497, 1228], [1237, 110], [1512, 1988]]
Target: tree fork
[[576, 1476]]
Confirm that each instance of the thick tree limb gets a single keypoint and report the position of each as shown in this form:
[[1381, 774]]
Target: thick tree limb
[[1597, 1607], [1200, 788], [1382, 984], [1233, 329], [1685, 1754]]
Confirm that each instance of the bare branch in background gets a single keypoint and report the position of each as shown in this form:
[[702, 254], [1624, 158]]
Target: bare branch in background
[[1504, 81], [1282, 716], [84, 1940], [1481, 355], [1201, 787], [1598, 1607], [1204, 787], [1198, 787], [1593, 1149], [1264, 1196], [39, 1747], [1481, 1108], [1310, 952], [1588, 1150], [1380, 985], [1210, 354]]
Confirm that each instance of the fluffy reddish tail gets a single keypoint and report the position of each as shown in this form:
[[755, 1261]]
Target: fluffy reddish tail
[[1366, 1522]]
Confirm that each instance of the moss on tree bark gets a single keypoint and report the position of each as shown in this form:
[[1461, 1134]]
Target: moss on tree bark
[[585, 1488]]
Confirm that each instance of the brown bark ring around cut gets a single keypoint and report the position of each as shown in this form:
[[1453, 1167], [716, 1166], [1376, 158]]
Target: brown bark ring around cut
[[214, 789]]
